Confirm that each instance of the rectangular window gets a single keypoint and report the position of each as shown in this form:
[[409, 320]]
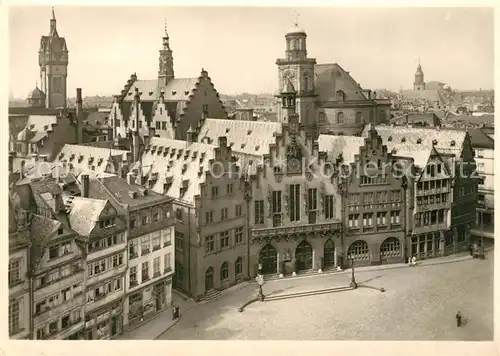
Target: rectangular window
[[133, 276], [145, 271], [480, 167], [14, 316], [209, 244], [215, 192], [155, 214], [158, 125], [224, 239], [156, 241], [156, 267], [354, 221], [395, 217], [312, 217], [238, 235], [276, 201], [229, 189], [145, 218], [223, 214], [14, 271], [168, 261], [294, 202], [381, 219], [133, 250], [259, 212], [368, 219], [163, 125], [145, 245], [312, 199], [329, 207], [440, 215], [433, 217], [209, 217], [166, 237], [179, 241], [238, 210], [53, 252], [57, 85], [480, 153]]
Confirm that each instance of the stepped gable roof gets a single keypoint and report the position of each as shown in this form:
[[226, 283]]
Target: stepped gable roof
[[347, 146], [445, 141], [249, 137]]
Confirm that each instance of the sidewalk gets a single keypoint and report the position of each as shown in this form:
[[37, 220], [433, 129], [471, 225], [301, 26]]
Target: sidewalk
[[152, 329]]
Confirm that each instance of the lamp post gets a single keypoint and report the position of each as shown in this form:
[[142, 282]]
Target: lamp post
[[260, 282], [353, 283]]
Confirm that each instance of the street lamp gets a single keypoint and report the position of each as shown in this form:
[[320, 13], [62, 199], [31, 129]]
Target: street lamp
[[353, 283], [260, 282]]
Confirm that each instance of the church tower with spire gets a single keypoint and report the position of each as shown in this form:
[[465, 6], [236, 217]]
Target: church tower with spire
[[419, 83], [166, 61], [53, 62]]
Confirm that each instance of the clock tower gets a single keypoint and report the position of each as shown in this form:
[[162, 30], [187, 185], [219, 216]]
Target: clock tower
[[53, 62], [298, 70], [166, 61]]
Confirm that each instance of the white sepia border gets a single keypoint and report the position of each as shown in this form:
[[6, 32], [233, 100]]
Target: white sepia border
[[243, 348]]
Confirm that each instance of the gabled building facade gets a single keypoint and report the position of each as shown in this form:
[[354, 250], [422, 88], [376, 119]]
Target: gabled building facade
[[294, 210]]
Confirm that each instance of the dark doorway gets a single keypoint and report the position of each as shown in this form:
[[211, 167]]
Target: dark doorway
[[269, 259], [329, 254], [209, 279], [304, 256], [114, 326]]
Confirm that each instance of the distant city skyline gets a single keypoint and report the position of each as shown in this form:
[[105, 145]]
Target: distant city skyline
[[238, 46]]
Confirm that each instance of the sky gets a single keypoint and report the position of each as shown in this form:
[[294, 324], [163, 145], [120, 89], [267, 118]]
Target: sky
[[238, 46]]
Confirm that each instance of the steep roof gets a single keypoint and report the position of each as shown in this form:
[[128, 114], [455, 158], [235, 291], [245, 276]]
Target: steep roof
[[347, 146], [332, 75], [251, 137], [41, 123], [445, 141], [176, 89], [178, 163], [427, 95], [480, 139], [42, 228], [84, 213], [132, 195]]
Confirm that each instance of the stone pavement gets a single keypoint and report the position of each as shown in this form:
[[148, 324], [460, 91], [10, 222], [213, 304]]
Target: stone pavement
[[153, 328]]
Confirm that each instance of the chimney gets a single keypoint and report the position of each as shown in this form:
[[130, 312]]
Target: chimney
[[190, 135], [11, 162], [22, 169], [85, 183], [79, 113], [130, 178]]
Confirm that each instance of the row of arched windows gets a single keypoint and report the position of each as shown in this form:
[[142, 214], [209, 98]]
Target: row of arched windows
[[340, 118], [224, 270]]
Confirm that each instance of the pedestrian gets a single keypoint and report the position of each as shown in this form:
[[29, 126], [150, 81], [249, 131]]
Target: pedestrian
[[458, 316]]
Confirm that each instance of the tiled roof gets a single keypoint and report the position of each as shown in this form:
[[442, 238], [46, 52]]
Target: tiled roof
[[41, 123], [419, 153], [41, 228], [96, 119], [332, 75], [161, 167], [445, 141], [37, 137], [130, 194], [16, 124], [84, 213], [480, 139], [45, 191], [177, 89], [88, 158], [347, 146], [251, 137]]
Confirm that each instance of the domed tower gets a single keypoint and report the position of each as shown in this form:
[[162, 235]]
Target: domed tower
[[166, 61], [36, 98], [419, 83], [53, 61], [296, 68]]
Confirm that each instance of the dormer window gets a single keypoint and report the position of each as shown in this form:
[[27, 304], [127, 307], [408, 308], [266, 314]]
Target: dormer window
[[184, 168], [32, 126], [99, 162], [174, 92], [61, 155], [46, 127], [72, 157], [231, 144], [249, 132], [389, 139], [129, 93], [227, 130], [242, 145], [103, 224], [186, 92], [150, 92], [403, 139], [434, 142], [257, 147], [340, 95], [452, 143], [80, 158], [419, 141]]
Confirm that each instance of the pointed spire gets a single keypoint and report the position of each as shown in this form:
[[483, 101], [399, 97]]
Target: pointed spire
[[166, 33], [296, 14], [53, 14]]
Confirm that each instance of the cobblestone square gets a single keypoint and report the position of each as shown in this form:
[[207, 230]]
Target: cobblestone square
[[419, 304]]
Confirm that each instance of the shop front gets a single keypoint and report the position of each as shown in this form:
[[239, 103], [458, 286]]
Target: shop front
[[105, 322], [145, 303]]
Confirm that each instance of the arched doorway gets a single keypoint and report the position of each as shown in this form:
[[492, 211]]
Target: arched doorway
[[304, 256], [209, 279], [359, 252], [268, 257], [390, 249], [329, 254]]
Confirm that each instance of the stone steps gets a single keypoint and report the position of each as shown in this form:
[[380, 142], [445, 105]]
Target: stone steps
[[211, 295]]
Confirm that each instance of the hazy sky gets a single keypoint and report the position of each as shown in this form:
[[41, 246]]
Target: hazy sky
[[238, 46]]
